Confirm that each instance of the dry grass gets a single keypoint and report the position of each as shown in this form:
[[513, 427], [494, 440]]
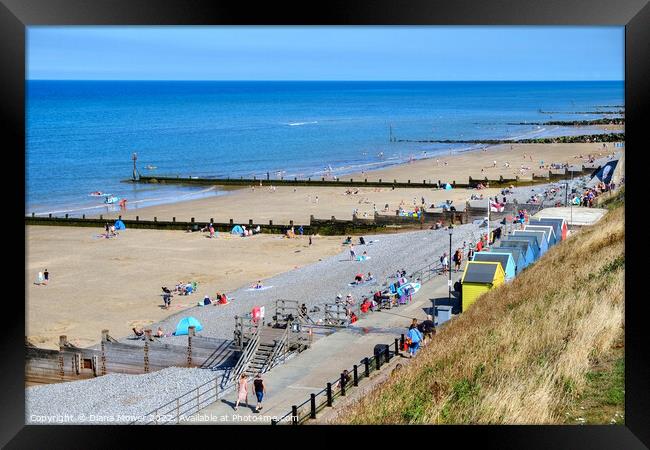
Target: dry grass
[[521, 353]]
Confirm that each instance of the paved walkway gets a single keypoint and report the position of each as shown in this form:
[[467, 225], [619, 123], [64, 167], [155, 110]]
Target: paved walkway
[[291, 383]]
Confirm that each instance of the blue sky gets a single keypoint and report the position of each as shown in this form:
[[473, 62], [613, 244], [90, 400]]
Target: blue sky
[[325, 53]]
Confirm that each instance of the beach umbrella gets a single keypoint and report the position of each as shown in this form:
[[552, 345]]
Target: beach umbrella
[[185, 323]]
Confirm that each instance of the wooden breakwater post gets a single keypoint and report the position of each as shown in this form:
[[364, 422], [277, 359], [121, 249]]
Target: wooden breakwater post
[[62, 341], [103, 350], [191, 331], [147, 336]]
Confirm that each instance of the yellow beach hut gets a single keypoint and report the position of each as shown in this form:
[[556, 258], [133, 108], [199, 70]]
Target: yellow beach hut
[[478, 278]]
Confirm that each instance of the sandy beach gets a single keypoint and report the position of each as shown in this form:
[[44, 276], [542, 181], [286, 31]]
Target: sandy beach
[[285, 203], [115, 283]]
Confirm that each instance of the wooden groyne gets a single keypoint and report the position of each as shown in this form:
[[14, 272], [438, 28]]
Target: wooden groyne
[[339, 182], [326, 227], [585, 138], [379, 223], [71, 363]]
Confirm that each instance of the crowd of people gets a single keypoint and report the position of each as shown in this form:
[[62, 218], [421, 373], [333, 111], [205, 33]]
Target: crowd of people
[[588, 195]]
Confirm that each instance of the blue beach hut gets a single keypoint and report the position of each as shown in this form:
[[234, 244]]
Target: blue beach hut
[[548, 231], [539, 235], [530, 240], [557, 225], [505, 259], [517, 256]]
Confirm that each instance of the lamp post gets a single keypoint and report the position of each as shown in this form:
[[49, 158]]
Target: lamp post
[[449, 286], [571, 209], [134, 157]]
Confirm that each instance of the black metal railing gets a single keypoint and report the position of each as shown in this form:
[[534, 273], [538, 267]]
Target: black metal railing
[[341, 386]]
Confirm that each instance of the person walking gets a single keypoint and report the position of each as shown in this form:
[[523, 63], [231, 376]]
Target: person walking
[[352, 253], [458, 256], [259, 389], [470, 253], [415, 337], [444, 262], [428, 329], [242, 391], [46, 276], [310, 239]]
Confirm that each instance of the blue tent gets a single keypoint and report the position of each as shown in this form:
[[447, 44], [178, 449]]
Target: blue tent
[[182, 328], [505, 259], [237, 230], [447, 187], [119, 225]]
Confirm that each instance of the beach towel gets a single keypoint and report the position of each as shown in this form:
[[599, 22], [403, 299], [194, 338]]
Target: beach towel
[[259, 289], [362, 258], [362, 283]]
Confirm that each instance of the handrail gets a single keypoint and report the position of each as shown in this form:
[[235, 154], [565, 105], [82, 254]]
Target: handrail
[[278, 346], [175, 403], [244, 359]]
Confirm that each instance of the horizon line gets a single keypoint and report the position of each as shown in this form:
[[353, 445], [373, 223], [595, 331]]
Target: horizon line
[[327, 81]]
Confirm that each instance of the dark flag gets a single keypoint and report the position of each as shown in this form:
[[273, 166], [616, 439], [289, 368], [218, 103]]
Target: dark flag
[[604, 173]]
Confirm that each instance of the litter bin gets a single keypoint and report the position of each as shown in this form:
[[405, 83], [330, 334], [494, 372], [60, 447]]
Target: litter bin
[[443, 314], [380, 350]]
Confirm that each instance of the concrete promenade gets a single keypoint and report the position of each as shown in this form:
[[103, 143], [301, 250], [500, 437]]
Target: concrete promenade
[[291, 383]]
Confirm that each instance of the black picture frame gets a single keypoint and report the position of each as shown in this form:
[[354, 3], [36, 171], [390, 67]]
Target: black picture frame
[[15, 15]]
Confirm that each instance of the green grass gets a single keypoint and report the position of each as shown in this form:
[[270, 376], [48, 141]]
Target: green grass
[[603, 399]]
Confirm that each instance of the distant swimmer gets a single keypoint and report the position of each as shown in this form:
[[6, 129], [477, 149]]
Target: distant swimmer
[[381, 154]]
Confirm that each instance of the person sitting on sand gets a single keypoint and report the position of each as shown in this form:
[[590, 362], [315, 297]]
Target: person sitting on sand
[[369, 277], [353, 317], [138, 332], [223, 300], [206, 300], [258, 285], [358, 278], [159, 333]]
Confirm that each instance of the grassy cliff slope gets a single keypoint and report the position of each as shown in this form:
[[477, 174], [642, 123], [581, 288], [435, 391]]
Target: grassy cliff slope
[[546, 348]]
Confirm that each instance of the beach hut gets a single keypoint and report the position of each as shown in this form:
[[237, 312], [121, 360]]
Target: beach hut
[[548, 231], [539, 235], [505, 259], [527, 256], [184, 324], [516, 254], [558, 222], [478, 278], [532, 244]]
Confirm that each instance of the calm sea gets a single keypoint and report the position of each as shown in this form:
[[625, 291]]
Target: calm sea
[[81, 134]]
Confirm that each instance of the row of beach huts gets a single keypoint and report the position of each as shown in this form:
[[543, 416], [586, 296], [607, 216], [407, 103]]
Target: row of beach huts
[[513, 253]]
